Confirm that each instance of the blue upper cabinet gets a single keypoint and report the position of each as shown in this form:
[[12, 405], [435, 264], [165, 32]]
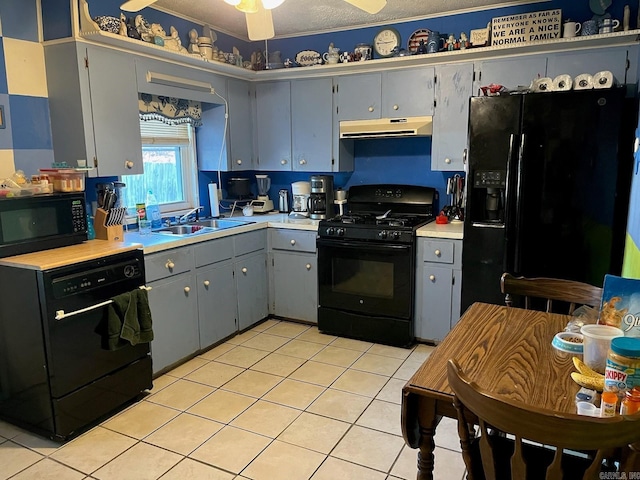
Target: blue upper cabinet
[[511, 73], [399, 93], [273, 125]]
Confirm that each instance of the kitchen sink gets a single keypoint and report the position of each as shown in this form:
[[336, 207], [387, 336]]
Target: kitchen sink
[[200, 227], [220, 223]]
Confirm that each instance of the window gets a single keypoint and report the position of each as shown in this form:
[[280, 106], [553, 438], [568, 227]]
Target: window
[[170, 170]]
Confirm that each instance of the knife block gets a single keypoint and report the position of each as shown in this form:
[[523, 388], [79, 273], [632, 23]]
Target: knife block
[[114, 233]]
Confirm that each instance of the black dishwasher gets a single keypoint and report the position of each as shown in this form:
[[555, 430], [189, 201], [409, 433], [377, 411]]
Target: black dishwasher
[[55, 376]]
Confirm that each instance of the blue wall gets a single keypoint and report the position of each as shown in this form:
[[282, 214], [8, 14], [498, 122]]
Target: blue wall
[[25, 142]]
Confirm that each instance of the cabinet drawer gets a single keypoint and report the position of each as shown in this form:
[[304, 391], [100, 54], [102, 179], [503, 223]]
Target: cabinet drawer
[[438, 251], [293, 240], [168, 263], [249, 242], [213, 251]]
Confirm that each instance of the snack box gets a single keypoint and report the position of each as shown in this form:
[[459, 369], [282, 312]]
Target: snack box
[[621, 304]]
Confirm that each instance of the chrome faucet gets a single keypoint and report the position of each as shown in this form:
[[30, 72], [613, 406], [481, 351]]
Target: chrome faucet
[[183, 218]]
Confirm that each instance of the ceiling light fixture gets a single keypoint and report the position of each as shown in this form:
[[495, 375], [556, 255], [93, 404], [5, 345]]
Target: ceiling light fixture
[[251, 6]]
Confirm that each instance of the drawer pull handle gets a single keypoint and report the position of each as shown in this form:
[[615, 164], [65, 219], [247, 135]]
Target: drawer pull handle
[[283, 161], [303, 162], [170, 265], [239, 162], [447, 161], [395, 107], [187, 289], [293, 242], [432, 278], [244, 269], [206, 283], [371, 109], [128, 164], [60, 314], [438, 253], [308, 265]]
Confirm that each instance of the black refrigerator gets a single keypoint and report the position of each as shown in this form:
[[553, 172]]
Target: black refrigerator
[[547, 188]]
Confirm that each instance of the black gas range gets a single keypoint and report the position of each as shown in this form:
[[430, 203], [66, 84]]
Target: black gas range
[[366, 263]]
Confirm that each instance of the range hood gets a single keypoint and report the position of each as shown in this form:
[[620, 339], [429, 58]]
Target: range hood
[[387, 128]]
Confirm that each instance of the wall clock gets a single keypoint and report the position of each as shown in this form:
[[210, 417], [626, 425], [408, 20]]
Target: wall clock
[[385, 41]]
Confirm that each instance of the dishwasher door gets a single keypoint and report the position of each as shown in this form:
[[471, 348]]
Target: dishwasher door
[[75, 308]]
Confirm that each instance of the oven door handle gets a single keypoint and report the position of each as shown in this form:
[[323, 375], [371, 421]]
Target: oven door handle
[[360, 245], [60, 314]]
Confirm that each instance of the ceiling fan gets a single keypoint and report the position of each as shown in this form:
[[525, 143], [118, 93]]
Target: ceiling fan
[[258, 12]]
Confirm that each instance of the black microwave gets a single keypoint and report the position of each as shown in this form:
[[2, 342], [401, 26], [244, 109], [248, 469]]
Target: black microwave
[[40, 222]]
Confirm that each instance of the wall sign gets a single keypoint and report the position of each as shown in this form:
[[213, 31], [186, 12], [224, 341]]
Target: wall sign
[[526, 27]]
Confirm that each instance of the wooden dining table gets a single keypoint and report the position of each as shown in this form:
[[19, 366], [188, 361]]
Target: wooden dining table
[[506, 350]]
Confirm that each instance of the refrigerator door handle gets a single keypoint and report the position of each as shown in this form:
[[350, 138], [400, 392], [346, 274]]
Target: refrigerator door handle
[[518, 197], [509, 192]]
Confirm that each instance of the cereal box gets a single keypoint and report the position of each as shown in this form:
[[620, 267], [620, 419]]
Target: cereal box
[[621, 304]]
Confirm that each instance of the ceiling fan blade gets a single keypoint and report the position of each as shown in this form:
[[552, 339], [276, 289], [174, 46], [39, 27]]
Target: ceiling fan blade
[[260, 24], [369, 6], [135, 5]]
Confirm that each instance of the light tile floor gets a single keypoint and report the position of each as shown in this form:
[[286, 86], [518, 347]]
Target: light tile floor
[[280, 401]]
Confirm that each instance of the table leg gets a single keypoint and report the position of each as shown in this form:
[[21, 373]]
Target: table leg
[[419, 421]]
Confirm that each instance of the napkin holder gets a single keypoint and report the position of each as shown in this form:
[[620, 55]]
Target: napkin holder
[[113, 233]]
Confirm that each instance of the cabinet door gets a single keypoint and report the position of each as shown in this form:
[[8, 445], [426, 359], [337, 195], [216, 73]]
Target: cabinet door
[[295, 286], [451, 116], [175, 321], [312, 115], [511, 73], [592, 61], [240, 125], [116, 121], [359, 96], [251, 286], [216, 308], [433, 318], [273, 109], [407, 93]]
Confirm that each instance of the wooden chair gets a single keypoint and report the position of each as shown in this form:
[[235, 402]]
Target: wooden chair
[[540, 444], [550, 289]]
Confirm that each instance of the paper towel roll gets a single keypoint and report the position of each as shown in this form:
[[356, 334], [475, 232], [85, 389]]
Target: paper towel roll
[[544, 84], [213, 200], [562, 83], [584, 81], [604, 79]]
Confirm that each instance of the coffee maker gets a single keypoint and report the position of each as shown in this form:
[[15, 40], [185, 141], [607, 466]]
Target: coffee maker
[[300, 191], [321, 197]]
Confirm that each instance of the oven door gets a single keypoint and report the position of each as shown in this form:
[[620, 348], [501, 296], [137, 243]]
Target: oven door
[[366, 278]]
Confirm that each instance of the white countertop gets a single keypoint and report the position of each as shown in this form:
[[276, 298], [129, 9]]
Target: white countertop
[[155, 242], [453, 230]]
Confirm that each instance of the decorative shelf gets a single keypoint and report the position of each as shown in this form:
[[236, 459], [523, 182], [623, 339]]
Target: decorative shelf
[[90, 31]]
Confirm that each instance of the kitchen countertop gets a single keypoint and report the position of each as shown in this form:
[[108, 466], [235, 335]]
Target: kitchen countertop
[[63, 256], [453, 230], [154, 242]]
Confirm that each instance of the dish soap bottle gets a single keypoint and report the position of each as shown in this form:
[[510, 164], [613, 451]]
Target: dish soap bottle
[[153, 210]]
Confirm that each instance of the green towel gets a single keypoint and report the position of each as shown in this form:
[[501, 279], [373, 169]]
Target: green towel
[[129, 319]]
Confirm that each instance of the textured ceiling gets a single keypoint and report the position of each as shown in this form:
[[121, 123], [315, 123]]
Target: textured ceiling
[[303, 17]]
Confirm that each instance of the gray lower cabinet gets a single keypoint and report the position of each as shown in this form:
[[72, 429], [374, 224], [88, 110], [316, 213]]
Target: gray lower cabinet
[[204, 293], [438, 287], [174, 307], [251, 289], [293, 280]]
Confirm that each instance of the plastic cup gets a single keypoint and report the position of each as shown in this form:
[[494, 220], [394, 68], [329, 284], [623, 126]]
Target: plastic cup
[[144, 227], [597, 339], [586, 408]]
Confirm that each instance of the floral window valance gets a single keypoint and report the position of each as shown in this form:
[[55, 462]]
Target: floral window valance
[[172, 111]]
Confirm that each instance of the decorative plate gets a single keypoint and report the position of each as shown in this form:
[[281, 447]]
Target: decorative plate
[[414, 40], [306, 58]]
